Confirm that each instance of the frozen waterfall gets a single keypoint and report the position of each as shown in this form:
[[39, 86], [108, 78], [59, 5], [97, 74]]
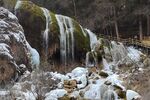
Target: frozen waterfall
[[66, 38], [45, 35], [93, 39]]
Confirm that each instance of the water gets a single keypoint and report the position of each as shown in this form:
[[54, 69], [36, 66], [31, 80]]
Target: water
[[110, 95], [66, 30], [45, 35], [118, 52], [91, 54], [93, 39], [83, 31], [91, 59], [106, 66], [87, 60], [18, 4]]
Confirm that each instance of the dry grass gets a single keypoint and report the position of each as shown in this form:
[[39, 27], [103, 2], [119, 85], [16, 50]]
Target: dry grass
[[63, 69], [146, 41], [141, 83]]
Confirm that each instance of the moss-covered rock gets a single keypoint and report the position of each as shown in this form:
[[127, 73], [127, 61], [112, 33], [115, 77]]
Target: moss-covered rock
[[103, 74], [82, 42], [33, 21]]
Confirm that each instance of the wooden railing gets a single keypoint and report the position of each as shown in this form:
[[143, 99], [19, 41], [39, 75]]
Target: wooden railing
[[129, 41]]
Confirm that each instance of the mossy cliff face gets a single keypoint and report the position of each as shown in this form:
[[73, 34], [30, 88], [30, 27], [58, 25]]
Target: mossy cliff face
[[33, 20], [82, 41]]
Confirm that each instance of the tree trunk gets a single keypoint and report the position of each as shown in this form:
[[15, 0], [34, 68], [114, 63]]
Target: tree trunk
[[75, 10], [140, 29], [116, 28], [148, 25], [116, 25]]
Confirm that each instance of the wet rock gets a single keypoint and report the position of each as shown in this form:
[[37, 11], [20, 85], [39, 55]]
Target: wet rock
[[70, 85], [107, 83], [121, 94], [103, 73]]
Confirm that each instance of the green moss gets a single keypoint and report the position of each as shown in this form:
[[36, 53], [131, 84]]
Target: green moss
[[81, 40], [35, 14], [54, 25], [35, 11]]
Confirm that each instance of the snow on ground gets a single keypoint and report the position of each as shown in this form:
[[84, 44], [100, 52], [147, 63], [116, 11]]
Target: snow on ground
[[92, 87], [79, 71], [56, 75], [114, 79], [55, 94], [134, 54]]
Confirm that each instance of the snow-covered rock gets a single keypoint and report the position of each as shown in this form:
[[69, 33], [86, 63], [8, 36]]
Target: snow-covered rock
[[83, 81], [55, 94], [131, 95], [79, 71], [114, 79], [12, 34], [14, 49], [56, 75]]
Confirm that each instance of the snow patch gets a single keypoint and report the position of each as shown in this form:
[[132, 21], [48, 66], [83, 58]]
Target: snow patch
[[134, 54], [55, 94], [131, 95]]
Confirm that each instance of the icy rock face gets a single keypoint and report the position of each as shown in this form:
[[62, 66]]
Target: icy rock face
[[14, 49], [117, 55], [12, 34]]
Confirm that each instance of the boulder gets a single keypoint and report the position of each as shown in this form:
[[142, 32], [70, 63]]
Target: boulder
[[70, 85], [14, 49]]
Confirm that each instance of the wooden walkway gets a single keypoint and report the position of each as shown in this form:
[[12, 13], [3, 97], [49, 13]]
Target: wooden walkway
[[131, 42]]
